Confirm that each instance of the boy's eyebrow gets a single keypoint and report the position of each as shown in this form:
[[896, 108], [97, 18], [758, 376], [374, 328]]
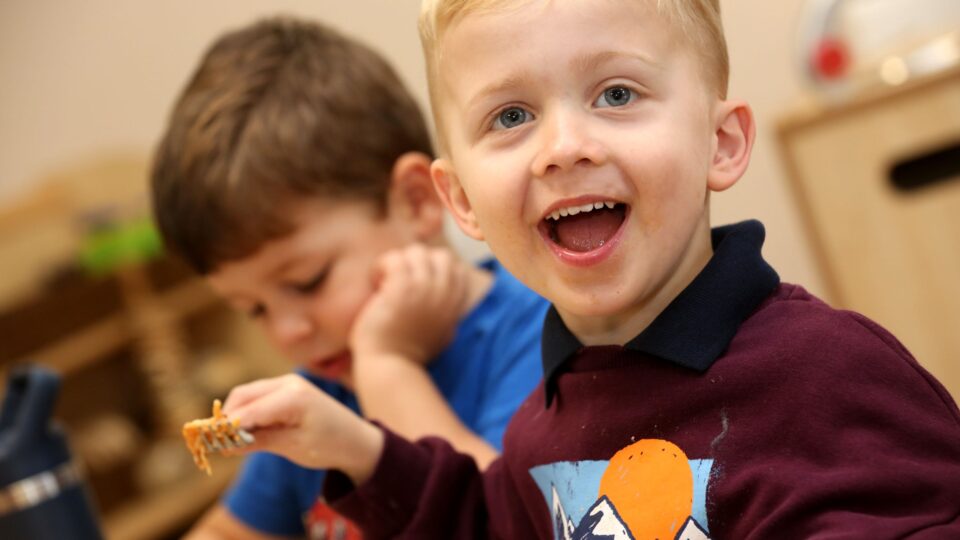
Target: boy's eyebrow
[[501, 85], [587, 61], [288, 265], [282, 268]]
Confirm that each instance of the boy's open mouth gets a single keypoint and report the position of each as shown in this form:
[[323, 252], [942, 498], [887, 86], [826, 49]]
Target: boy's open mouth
[[584, 228]]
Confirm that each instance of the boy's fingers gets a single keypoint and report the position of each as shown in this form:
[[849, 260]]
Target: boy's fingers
[[442, 277], [265, 439], [391, 266], [272, 410], [243, 394], [450, 272], [418, 265]]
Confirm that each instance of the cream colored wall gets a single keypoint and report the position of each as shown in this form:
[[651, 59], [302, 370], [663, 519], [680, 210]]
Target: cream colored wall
[[92, 78], [760, 36]]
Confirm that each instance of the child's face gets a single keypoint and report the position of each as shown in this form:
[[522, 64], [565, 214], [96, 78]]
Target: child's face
[[556, 105], [305, 289]]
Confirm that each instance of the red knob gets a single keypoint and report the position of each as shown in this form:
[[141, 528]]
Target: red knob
[[831, 59]]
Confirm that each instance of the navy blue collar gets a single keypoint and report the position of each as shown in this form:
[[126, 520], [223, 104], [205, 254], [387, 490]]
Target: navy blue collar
[[697, 327]]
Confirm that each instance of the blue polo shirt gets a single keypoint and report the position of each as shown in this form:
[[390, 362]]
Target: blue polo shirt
[[486, 372]]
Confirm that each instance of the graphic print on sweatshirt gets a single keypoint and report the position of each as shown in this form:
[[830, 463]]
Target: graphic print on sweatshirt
[[647, 490]]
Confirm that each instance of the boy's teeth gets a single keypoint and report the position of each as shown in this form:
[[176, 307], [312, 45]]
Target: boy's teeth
[[574, 210]]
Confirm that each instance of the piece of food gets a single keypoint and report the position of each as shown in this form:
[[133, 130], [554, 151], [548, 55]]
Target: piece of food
[[199, 434]]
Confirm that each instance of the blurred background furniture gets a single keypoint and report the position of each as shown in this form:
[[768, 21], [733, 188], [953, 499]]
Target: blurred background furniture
[[142, 345], [878, 180]]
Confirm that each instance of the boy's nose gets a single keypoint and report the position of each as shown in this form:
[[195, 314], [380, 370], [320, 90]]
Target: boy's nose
[[565, 143], [290, 328]]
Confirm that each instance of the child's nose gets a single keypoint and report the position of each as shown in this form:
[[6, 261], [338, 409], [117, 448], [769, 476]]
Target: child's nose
[[566, 142], [290, 328]]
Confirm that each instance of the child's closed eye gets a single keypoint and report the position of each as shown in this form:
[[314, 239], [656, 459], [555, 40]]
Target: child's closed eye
[[311, 285]]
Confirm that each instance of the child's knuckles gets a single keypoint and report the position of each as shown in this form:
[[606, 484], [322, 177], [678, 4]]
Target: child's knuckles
[[440, 259], [392, 263], [416, 251]]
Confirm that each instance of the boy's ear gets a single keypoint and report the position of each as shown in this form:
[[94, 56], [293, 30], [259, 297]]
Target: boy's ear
[[451, 192], [735, 133], [412, 197]]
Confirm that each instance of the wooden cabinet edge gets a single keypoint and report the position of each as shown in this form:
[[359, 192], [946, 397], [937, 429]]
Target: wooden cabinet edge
[[98, 340]]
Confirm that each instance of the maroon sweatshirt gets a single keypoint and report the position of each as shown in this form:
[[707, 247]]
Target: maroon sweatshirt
[[748, 409]]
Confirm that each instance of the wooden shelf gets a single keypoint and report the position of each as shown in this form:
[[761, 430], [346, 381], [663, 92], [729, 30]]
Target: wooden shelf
[[187, 299], [109, 335], [85, 347], [127, 345], [159, 514]]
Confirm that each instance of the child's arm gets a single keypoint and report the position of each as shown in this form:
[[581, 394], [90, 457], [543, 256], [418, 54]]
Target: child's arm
[[293, 418], [425, 486], [422, 295], [418, 410], [427, 490]]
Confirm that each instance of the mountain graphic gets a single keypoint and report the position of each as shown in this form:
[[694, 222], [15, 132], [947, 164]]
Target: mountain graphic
[[602, 522], [692, 530], [602, 498], [561, 523]]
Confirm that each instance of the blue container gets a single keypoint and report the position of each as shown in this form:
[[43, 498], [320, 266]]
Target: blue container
[[42, 494]]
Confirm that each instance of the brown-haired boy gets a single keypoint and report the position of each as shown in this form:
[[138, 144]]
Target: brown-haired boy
[[687, 392], [294, 175]]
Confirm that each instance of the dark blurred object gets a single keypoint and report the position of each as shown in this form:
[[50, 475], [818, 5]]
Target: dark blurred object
[[42, 494]]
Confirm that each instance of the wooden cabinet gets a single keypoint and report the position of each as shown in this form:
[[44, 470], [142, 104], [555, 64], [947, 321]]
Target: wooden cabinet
[[878, 179], [140, 351]]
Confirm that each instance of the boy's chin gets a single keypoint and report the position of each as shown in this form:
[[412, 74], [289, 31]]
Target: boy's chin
[[596, 309], [346, 381], [336, 368], [602, 313], [596, 301]]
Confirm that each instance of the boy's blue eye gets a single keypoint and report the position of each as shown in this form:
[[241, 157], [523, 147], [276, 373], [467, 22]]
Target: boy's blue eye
[[510, 118], [615, 96]]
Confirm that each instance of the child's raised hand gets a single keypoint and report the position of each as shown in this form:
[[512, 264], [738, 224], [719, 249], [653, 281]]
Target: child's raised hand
[[421, 295], [291, 417]]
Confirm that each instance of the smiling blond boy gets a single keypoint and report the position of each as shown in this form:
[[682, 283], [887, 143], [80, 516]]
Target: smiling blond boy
[[687, 392]]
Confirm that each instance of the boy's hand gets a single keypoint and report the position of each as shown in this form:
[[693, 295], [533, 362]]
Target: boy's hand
[[420, 297], [291, 417]]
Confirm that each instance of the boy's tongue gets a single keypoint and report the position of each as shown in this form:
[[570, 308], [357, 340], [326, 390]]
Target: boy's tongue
[[587, 231]]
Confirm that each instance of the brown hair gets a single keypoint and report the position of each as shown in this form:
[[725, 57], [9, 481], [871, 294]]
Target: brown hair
[[277, 111]]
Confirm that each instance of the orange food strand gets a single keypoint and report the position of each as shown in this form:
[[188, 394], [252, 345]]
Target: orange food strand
[[191, 435]]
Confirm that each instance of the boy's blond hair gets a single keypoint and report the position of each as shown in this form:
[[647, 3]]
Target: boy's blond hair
[[698, 20]]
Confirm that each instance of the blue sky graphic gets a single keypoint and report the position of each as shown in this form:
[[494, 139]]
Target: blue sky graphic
[[578, 482]]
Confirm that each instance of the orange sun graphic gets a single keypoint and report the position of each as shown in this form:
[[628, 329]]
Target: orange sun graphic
[[651, 486]]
